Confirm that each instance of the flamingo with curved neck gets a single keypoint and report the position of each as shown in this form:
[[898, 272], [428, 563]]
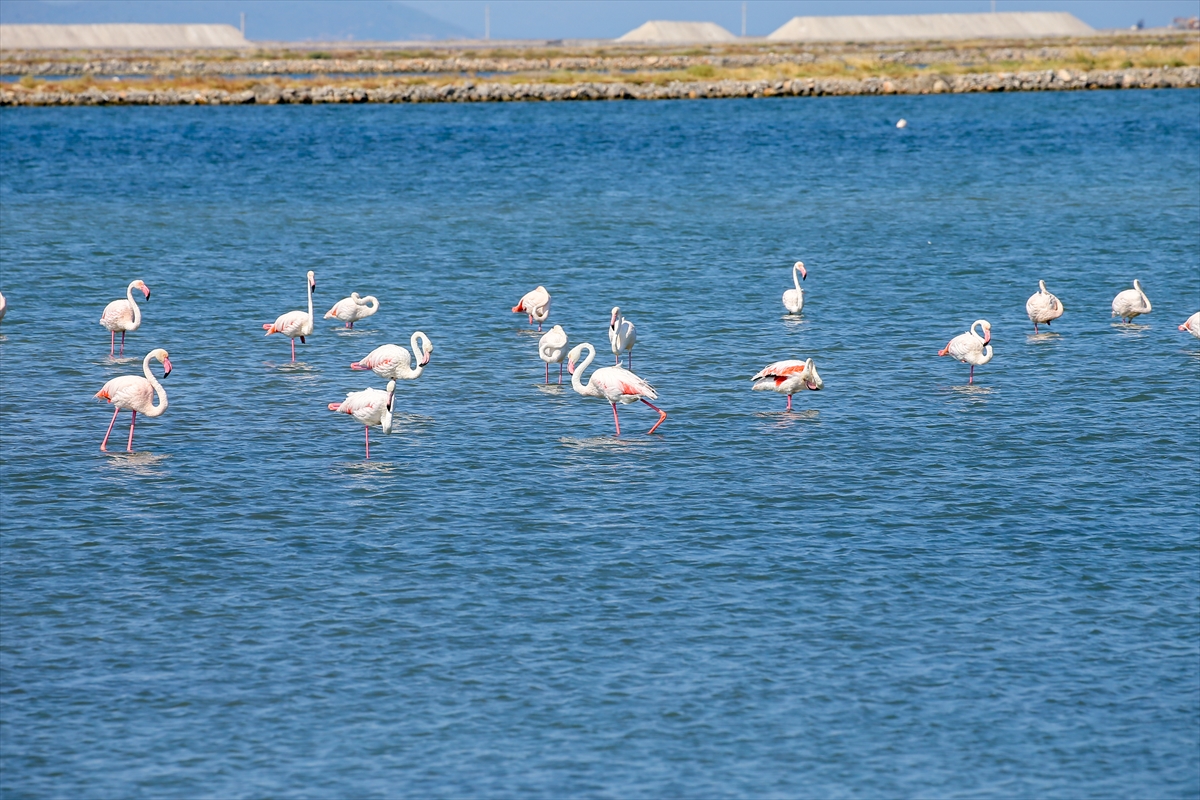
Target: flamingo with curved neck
[[535, 305], [296, 323], [1131, 303], [1043, 307], [622, 335], [370, 407], [970, 347], [353, 308], [123, 315], [614, 384], [392, 361], [135, 393], [793, 299]]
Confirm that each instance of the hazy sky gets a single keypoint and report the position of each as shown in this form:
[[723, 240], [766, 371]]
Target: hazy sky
[[326, 20]]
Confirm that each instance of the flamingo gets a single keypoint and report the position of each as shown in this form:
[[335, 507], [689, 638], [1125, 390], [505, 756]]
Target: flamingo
[[788, 377], [1191, 325], [621, 336], [1131, 303], [296, 323], [552, 348], [3, 305], [370, 407], [391, 360], [353, 308], [970, 347], [1043, 307], [793, 299], [536, 305], [614, 384], [123, 315], [135, 393]]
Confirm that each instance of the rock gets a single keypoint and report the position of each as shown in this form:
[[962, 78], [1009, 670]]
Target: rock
[[265, 94]]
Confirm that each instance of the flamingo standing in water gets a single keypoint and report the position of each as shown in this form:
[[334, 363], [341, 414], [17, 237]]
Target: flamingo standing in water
[[392, 361], [621, 335], [614, 384], [353, 308], [1043, 307], [296, 323], [970, 347], [536, 305], [552, 348], [370, 407], [1191, 325], [788, 377], [793, 299], [123, 315], [135, 393], [3, 305], [1131, 303]]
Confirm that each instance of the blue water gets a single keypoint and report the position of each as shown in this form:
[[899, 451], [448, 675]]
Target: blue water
[[909, 587]]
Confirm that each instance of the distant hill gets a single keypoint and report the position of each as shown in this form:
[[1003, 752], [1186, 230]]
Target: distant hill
[[266, 20]]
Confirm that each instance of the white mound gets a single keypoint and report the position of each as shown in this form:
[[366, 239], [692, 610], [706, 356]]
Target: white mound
[[907, 27], [57, 37], [666, 31]]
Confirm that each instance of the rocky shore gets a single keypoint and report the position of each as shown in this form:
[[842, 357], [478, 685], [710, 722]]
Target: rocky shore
[[470, 91]]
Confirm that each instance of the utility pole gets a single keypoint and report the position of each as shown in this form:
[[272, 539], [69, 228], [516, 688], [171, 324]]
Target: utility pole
[[243, 24], [487, 22], [993, 6], [743, 19]]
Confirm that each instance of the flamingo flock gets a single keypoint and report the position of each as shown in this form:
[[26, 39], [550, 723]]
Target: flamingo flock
[[616, 385]]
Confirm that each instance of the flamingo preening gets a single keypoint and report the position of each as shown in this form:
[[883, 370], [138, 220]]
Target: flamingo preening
[[552, 348], [135, 393], [123, 315], [621, 335], [1043, 307], [392, 361], [970, 347], [793, 299], [296, 323], [535, 305], [353, 308], [370, 407], [614, 384], [1131, 303], [1191, 325], [788, 377]]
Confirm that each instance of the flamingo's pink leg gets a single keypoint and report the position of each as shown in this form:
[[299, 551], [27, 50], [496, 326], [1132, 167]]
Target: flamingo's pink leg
[[631, 359], [112, 344], [616, 421], [971, 379], [368, 430], [559, 373], [293, 349], [132, 422], [104, 444], [547, 372], [789, 408], [122, 343], [661, 416]]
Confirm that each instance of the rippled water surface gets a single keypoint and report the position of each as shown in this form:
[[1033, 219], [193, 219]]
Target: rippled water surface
[[910, 586]]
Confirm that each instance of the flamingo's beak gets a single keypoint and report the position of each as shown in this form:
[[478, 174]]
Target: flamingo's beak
[[571, 367], [987, 337], [425, 359], [803, 273], [313, 287], [166, 367], [146, 291]]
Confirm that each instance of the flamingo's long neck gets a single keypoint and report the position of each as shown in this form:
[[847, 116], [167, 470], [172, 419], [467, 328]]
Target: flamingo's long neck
[[795, 280], [577, 376], [371, 302], [1145, 300], [137, 312], [161, 393], [409, 373], [310, 308]]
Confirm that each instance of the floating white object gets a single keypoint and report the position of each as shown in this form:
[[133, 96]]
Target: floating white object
[[902, 123]]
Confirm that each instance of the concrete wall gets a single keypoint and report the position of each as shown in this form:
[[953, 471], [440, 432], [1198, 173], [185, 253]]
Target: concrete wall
[[60, 37], [910, 27], [665, 31]]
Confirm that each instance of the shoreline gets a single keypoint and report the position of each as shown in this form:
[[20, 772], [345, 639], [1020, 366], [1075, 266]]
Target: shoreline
[[470, 91]]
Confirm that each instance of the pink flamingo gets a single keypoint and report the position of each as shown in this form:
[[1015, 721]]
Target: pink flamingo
[[536, 305], [552, 348], [353, 308], [135, 393], [123, 315], [614, 384], [392, 360], [296, 323], [1192, 325], [970, 347], [370, 407], [793, 299], [622, 335], [788, 377]]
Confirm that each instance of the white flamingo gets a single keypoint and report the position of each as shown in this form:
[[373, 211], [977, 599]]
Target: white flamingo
[[621, 335], [3, 305], [1043, 307], [135, 393], [353, 308], [614, 384], [296, 323], [788, 377], [392, 360], [535, 305], [1131, 303], [123, 315], [552, 348], [1191, 325], [370, 407], [970, 347], [793, 299]]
